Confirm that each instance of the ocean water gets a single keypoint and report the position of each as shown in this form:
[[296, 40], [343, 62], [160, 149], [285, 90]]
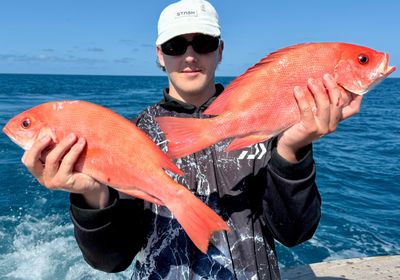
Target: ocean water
[[358, 177]]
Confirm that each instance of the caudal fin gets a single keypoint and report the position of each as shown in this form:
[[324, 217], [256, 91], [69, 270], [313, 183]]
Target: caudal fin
[[186, 136], [197, 219]]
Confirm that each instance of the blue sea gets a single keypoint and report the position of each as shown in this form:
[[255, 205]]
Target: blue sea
[[358, 177]]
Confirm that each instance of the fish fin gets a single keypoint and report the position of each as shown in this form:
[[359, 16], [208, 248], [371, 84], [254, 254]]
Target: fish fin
[[142, 195], [169, 165], [186, 136], [221, 103], [256, 72], [218, 106], [50, 132], [197, 219], [243, 142]]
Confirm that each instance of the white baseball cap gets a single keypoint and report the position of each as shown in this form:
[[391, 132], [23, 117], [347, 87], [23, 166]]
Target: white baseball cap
[[187, 16]]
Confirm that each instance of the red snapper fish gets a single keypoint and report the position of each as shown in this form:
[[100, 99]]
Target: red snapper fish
[[119, 155], [260, 103]]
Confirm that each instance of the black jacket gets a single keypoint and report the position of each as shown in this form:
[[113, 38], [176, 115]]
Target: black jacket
[[259, 194]]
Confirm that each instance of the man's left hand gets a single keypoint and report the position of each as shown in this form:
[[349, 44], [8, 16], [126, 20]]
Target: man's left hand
[[319, 117]]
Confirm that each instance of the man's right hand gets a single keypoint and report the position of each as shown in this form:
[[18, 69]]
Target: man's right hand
[[54, 169]]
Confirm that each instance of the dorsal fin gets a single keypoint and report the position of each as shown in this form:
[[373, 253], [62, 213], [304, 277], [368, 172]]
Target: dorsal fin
[[219, 105]]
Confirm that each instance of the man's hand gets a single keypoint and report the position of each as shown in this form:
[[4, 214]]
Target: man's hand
[[54, 169], [331, 104]]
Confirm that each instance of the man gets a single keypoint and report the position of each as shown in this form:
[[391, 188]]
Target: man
[[262, 199]]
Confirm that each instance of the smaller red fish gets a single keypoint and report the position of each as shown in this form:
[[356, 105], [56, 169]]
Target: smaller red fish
[[120, 155]]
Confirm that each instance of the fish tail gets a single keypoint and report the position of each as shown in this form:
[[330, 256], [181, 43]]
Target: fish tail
[[186, 136], [197, 219]]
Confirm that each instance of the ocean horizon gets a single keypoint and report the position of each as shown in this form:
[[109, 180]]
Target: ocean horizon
[[358, 175]]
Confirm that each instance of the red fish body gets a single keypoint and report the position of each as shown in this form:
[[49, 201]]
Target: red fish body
[[260, 103], [120, 155]]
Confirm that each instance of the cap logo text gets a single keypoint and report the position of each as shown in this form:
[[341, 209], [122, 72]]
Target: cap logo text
[[186, 14]]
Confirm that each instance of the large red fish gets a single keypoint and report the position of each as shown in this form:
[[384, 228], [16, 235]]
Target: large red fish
[[260, 103], [120, 155]]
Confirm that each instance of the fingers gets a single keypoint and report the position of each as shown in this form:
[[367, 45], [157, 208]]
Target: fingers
[[336, 101], [353, 107], [54, 158], [321, 109], [57, 170], [60, 173], [302, 133], [322, 112], [68, 162], [31, 158], [326, 112], [306, 109]]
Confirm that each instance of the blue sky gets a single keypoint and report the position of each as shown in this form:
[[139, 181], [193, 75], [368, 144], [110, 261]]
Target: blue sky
[[117, 37]]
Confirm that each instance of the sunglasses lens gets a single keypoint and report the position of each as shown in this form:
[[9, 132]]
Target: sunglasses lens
[[202, 44], [175, 46]]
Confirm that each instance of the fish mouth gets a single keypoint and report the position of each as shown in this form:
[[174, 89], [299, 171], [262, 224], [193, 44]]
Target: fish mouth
[[384, 69], [390, 70], [7, 131], [381, 73]]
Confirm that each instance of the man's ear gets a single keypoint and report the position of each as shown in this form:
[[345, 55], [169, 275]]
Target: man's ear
[[160, 57], [220, 50]]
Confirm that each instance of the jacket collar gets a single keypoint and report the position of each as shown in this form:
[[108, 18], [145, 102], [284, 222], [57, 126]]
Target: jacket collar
[[172, 104]]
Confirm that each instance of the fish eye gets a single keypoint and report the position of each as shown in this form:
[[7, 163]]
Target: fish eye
[[26, 123], [363, 59]]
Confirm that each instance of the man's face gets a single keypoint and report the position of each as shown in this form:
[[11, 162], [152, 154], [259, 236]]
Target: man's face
[[191, 73]]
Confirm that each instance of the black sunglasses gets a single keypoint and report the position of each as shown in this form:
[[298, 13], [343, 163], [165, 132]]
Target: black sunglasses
[[200, 43]]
